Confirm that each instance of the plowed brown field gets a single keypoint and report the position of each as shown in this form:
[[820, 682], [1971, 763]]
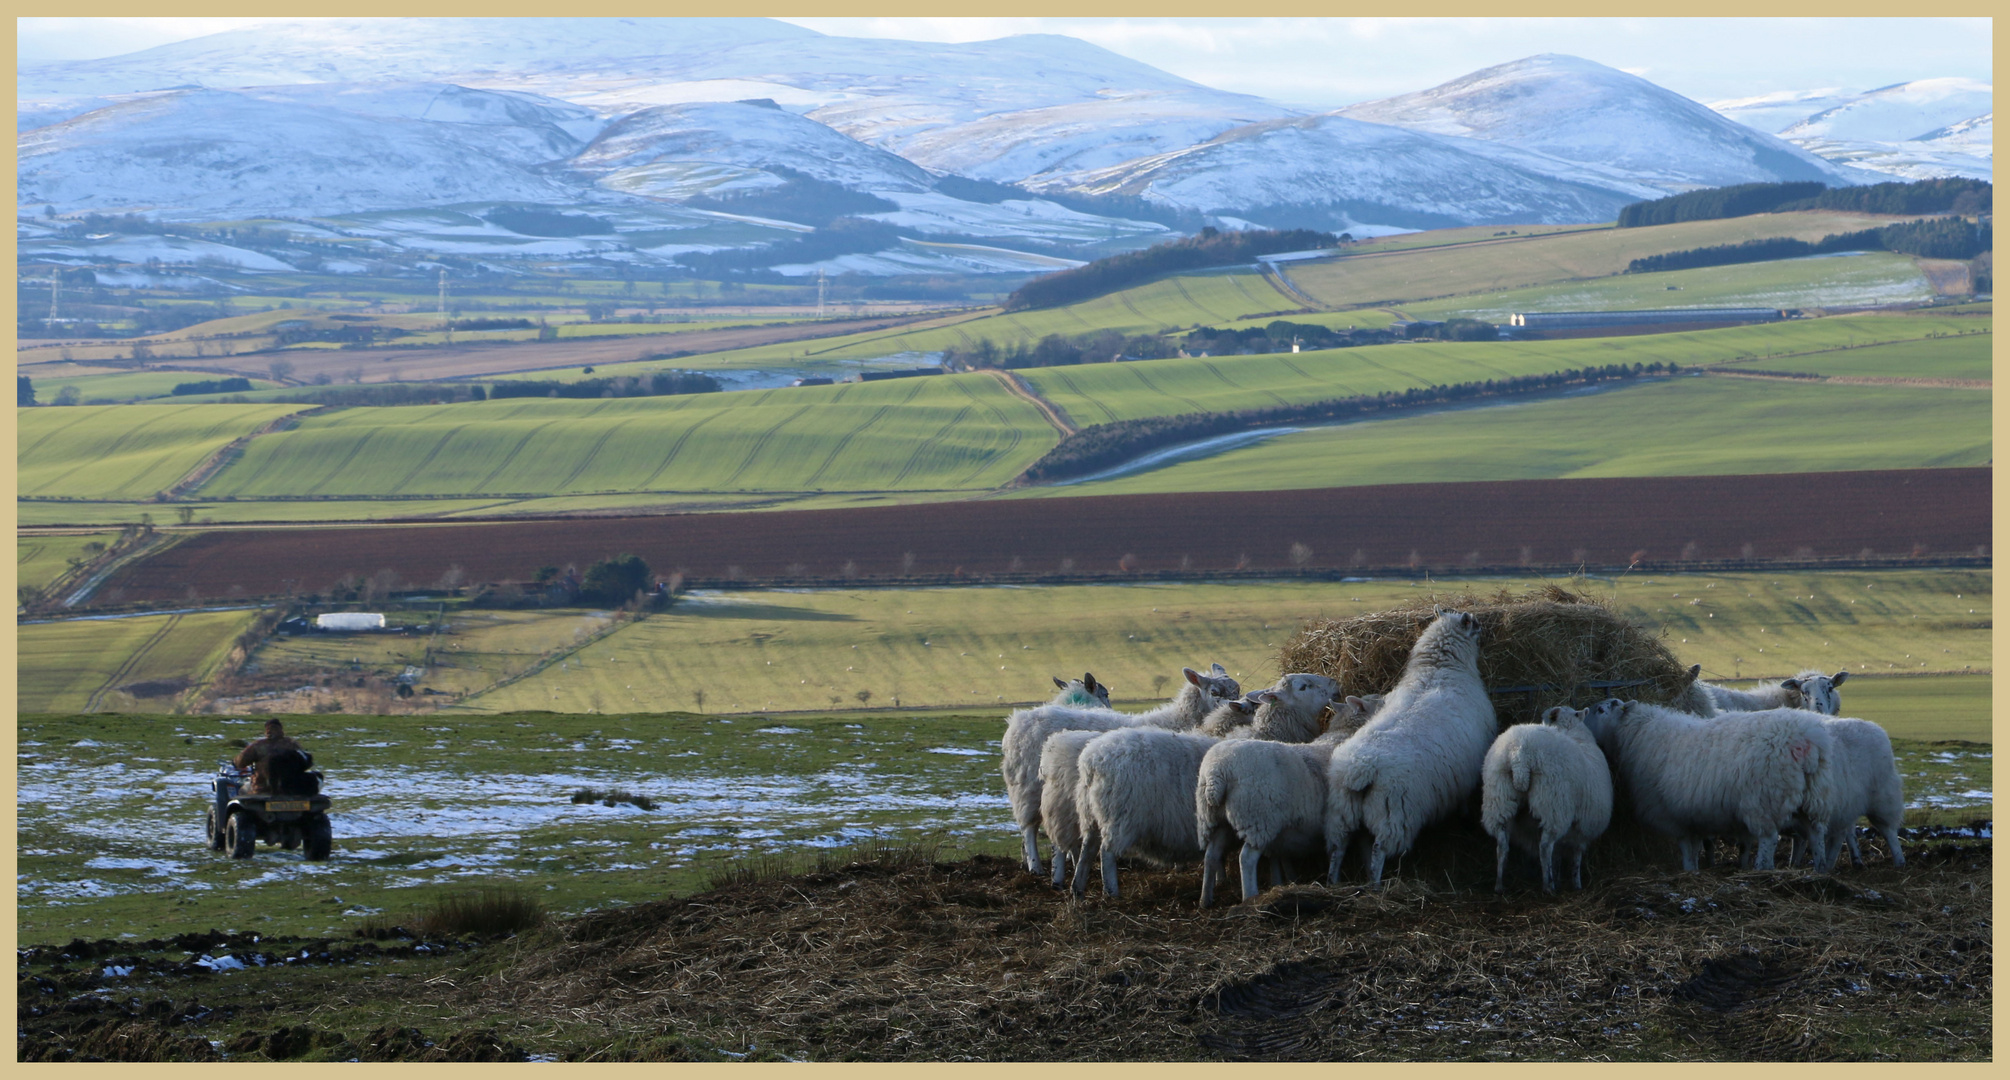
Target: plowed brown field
[[1600, 522]]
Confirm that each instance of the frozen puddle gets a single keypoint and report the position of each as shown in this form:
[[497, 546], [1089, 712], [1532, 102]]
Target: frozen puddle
[[414, 825]]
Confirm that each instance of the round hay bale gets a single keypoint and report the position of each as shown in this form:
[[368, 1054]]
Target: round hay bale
[[1548, 646]]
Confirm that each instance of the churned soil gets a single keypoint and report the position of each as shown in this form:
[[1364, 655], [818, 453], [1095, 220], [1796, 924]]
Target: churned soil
[[899, 957], [1662, 521]]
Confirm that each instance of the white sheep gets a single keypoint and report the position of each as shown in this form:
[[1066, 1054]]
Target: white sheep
[[1060, 776], [1810, 690], [1026, 732], [1419, 759], [1743, 774], [1545, 786], [1082, 693], [1135, 794], [1866, 784], [1269, 795]]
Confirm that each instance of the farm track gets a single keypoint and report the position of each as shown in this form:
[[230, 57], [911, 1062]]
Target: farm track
[[1400, 527], [132, 662], [1017, 388]]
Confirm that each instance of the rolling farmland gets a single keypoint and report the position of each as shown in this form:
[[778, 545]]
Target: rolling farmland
[[955, 432], [1689, 426], [814, 650], [1600, 521], [80, 665], [46, 557], [1098, 393], [1965, 357], [1865, 279], [126, 451], [1512, 263]]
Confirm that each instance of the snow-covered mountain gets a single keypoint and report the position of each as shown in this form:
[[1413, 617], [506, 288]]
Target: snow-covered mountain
[[1335, 172], [1585, 113], [1914, 130], [678, 151], [192, 154]]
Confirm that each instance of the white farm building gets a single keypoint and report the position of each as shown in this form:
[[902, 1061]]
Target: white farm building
[[349, 620]]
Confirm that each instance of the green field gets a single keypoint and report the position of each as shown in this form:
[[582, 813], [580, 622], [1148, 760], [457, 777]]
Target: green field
[[119, 387], [1858, 280], [960, 432], [125, 451], [79, 665], [796, 650], [1429, 273], [1691, 426], [1965, 357], [1098, 393], [45, 557], [1930, 708]]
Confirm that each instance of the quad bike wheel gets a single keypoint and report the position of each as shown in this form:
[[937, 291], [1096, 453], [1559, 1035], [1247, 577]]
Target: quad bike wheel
[[318, 837], [211, 831], [241, 835]]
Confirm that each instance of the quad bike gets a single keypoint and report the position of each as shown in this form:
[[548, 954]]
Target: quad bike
[[236, 822]]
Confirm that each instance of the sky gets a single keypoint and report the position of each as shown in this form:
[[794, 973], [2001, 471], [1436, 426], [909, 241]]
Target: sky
[[1337, 61]]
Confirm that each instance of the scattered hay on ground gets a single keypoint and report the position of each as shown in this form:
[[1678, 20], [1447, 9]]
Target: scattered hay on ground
[[980, 960], [1559, 643]]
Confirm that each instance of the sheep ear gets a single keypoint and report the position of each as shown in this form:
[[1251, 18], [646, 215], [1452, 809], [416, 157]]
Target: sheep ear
[[1694, 671], [1089, 681], [1058, 681], [1192, 676], [1269, 697], [1838, 677], [1219, 671], [1356, 701], [1792, 684]]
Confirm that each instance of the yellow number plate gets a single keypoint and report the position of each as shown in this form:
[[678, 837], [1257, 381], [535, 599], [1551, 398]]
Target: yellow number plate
[[278, 807]]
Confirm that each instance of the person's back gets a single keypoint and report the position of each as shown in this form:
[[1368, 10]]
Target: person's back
[[278, 763]]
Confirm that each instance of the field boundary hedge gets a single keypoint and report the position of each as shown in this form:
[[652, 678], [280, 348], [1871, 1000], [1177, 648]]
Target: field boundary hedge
[[1102, 446]]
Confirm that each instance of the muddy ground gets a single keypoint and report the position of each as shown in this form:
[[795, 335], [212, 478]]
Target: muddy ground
[[898, 957]]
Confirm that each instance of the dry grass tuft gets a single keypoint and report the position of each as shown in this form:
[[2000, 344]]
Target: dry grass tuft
[[1552, 639]]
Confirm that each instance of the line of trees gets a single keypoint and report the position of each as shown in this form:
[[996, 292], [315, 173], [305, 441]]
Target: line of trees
[[1209, 247], [1105, 346], [654, 384], [1938, 196], [212, 386], [1930, 238], [1102, 446]]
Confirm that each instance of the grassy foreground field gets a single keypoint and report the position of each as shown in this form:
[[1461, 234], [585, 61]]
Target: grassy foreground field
[[1689, 426], [1964, 357], [83, 665]]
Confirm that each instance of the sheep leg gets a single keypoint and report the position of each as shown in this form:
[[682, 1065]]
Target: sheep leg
[[1211, 865], [1110, 873], [1820, 850], [1251, 855], [1855, 853], [1335, 853], [1500, 861], [1763, 848], [1577, 867], [1546, 854], [1890, 831], [1277, 874], [1060, 878], [1375, 857], [1028, 833], [1689, 847], [1092, 842]]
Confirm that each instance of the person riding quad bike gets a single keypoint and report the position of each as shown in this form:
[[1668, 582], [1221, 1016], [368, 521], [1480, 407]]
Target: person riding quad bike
[[280, 802]]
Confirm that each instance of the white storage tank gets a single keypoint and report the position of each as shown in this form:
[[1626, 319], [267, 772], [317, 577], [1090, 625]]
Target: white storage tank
[[349, 620]]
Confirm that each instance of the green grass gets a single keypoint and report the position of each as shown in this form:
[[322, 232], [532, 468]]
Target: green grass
[[1930, 708], [121, 387], [45, 557], [1099, 393], [1361, 280], [125, 451], [954, 432], [1692, 426], [1858, 280], [1965, 357], [796, 650], [79, 665]]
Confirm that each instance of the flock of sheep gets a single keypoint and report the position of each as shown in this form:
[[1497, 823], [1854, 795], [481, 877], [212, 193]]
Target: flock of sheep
[[1298, 770]]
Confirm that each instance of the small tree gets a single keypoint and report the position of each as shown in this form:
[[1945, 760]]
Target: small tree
[[1159, 682], [24, 391], [863, 696], [698, 698], [280, 369], [184, 514], [68, 395], [615, 580]]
